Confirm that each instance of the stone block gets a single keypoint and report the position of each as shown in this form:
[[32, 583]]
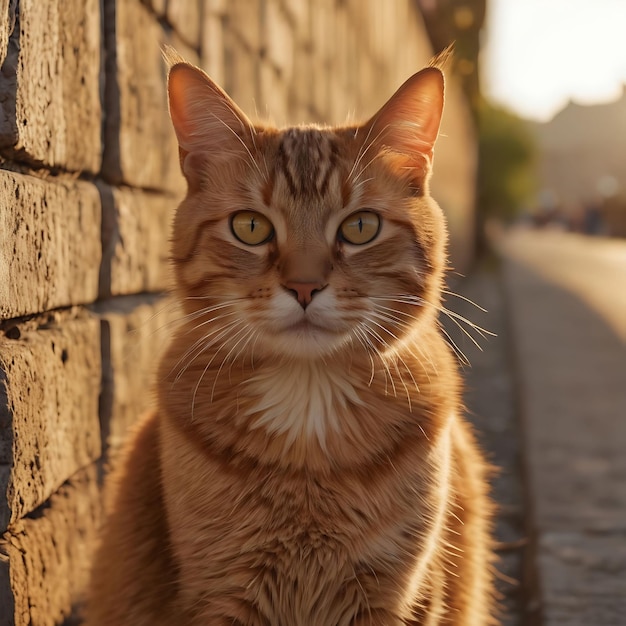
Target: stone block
[[135, 332], [241, 73], [49, 243], [184, 17], [278, 39], [45, 559], [299, 14], [140, 146], [306, 84], [49, 387], [135, 231], [50, 110], [212, 47], [274, 98], [7, 23], [158, 6], [245, 18], [215, 7]]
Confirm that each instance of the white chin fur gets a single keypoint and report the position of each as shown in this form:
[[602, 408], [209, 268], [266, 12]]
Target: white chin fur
[[303, 343], [312, 333]]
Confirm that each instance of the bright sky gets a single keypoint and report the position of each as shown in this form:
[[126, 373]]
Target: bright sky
[[541, 53]]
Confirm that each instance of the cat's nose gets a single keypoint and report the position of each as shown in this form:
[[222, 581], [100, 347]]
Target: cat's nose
[[303, 292]]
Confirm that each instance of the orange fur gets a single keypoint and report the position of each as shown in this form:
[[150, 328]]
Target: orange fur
[[309, 464]]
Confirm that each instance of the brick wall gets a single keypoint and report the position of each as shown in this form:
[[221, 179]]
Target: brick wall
[[88, 181]]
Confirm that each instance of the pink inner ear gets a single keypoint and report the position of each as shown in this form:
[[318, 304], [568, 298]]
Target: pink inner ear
[[409, 122], [183, 89], [204, 117]]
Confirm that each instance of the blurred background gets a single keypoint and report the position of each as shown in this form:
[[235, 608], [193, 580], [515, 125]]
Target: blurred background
[[546, 82], [530, 170]]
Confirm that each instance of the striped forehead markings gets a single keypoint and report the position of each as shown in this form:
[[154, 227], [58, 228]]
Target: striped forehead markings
[[308, 158]]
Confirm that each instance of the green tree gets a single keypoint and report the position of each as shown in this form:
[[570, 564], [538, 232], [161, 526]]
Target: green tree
[[506, 170]]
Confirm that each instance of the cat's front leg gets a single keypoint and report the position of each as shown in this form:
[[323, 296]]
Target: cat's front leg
[[133, 580]]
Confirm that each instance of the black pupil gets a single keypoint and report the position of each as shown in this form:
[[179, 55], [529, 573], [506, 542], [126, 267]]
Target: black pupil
[[360, 224], [252, 224]]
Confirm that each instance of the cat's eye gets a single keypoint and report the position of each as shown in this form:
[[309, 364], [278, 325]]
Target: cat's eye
[[360, 227], [251, 227]]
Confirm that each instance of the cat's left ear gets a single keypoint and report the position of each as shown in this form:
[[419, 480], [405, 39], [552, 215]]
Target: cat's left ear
[[409, 122]]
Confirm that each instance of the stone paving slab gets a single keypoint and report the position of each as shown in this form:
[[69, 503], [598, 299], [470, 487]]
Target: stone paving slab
[[584, 578], [568, 312]]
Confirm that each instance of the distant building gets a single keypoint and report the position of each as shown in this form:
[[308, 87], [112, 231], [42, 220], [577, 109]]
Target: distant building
[[582, 163]]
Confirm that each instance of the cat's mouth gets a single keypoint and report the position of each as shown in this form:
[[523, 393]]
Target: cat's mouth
[[305, 325], [304, 337]]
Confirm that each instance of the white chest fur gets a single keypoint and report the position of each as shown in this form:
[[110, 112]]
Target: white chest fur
[[302, 398]]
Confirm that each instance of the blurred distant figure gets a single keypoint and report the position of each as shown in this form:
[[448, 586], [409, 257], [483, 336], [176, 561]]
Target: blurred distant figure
[[593, 223]]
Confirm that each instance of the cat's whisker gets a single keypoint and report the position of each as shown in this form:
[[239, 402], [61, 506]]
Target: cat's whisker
[[211, 320], [401, 325], [456, 317], [216, 319], [366, 345], [202, 345], [464, 298], [189, 317], [177, 321], [417, 301], [395, 312], [464, 331], [367, 144], [364, 169], [248, 334], [376, 335], [205, 370], [460, 354], [406, 324], [398, 323], [357, 187], [252, 160]]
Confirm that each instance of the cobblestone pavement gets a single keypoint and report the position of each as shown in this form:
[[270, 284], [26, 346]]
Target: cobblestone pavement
[[567, 300]]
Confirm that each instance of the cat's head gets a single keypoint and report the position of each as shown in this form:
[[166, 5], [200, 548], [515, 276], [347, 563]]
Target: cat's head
[[307, 240]]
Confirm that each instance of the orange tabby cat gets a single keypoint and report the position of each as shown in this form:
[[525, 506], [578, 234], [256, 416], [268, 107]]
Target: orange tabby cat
[[308, 464]]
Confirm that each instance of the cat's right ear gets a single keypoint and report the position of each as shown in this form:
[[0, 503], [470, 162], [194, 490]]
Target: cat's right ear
[[204, 117]]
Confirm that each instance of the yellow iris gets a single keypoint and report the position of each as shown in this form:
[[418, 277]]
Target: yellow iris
[[360, 227], [251, 227]]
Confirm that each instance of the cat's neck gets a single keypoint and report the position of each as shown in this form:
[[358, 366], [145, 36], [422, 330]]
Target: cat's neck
[[308, 412], [302, 398]]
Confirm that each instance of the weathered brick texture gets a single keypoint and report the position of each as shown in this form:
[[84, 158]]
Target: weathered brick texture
[[89, 180], [49, 387], [7, 21], [50, 110], [135, 330], [49, 243], [140, 147], [45, 559], [135, 229]]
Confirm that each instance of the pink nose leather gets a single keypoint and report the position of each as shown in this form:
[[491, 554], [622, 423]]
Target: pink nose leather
[[303, 292]]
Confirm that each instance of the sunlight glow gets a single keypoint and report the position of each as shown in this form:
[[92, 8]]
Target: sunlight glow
[[541, 53]]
